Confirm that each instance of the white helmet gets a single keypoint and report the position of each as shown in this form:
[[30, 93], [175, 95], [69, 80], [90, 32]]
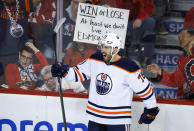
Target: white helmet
[[111, 39]]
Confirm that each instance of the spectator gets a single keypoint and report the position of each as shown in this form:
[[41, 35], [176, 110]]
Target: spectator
[[78, 53], [70, 13], [113, 80], [50, 82], [41, 22], [140, 28], [13, 12], [13, 27], [44, 13], [182, 77], [24, 74], [159, 15]]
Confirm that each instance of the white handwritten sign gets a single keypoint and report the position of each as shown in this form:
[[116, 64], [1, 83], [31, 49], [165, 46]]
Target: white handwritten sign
[[94, 21]]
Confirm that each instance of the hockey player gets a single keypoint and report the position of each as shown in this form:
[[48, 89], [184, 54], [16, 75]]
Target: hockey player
[[113, 81]]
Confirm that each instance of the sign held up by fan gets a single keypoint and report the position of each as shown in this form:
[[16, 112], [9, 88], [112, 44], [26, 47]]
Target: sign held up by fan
[[94, 21]]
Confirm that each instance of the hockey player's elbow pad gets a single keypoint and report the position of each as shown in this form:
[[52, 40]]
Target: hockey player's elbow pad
[[59, 70], [148, 115]]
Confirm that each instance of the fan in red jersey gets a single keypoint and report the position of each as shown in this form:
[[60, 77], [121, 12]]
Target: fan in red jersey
[[183, 77]]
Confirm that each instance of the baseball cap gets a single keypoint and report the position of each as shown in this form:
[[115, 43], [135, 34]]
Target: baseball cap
[[189, 20]]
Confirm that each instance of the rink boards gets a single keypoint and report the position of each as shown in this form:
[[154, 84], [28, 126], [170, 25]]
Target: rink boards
[[39, 111]]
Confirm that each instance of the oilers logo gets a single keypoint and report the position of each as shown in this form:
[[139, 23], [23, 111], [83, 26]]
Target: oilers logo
[[16, 30], [103, 84]]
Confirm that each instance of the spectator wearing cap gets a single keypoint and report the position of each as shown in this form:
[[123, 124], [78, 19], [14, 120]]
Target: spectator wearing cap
[[24, 74], [189, 22], [183, 77]]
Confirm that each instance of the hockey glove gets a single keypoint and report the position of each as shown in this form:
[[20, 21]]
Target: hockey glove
[[148, 115], [59, 70]]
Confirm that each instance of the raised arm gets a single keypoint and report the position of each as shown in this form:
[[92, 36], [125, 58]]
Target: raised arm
[[39, 56]]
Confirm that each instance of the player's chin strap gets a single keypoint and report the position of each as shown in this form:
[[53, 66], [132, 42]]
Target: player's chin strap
[[56, 29]]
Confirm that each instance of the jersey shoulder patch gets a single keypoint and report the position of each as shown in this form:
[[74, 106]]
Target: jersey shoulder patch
[[97, 56], [127, 64]]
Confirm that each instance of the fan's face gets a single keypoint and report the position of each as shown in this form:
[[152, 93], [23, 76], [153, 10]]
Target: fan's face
[[49, 81], [185, 38], [25, 58]]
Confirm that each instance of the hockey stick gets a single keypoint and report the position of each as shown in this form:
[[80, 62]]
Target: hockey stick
[[56, 29]]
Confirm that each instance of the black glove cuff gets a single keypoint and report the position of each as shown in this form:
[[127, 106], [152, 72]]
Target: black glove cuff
[[153, 111]]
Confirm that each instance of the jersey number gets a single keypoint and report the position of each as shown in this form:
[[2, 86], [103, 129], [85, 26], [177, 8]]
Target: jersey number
[[141, 76]]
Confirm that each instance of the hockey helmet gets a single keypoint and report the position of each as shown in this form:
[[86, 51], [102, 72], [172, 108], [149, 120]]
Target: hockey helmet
[[112, 40]]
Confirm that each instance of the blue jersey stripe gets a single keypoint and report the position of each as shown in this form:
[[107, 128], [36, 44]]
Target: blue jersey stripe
[[76, 77], [147, 97], [144, 89], [77, 67], [104, 107], [85, 78]]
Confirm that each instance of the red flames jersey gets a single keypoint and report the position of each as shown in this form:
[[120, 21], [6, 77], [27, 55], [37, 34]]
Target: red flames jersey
[[183, 77]]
